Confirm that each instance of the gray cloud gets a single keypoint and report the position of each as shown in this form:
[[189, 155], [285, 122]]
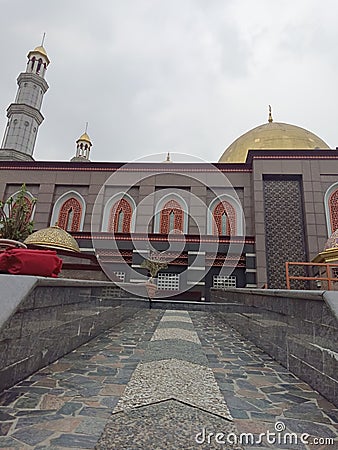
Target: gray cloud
[[152, 76]]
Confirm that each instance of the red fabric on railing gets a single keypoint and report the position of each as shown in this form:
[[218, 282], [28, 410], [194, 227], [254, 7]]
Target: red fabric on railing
[[22, 261]]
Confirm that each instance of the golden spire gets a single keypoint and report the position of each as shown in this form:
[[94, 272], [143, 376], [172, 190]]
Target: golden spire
[[167, 160], [270, 114]]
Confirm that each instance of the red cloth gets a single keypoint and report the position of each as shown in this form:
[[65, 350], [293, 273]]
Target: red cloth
[[22, 261]]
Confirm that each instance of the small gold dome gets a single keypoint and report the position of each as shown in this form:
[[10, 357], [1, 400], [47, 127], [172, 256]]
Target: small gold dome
[[330, 252], [40, 49], [53, 237], [271, 136], [84, 137], [332, 242]]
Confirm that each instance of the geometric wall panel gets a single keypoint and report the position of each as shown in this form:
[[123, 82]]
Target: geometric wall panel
[[284, 230]]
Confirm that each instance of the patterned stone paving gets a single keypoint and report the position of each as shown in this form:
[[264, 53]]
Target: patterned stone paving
[[67, 404], [260, 392], [170, 384]]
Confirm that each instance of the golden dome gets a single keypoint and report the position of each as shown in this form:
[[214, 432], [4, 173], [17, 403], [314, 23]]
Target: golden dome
[[84, 137], [53, 237], [271, 136]]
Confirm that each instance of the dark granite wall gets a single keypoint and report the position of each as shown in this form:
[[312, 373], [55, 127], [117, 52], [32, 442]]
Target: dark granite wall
[[54, 320], [297, 328]]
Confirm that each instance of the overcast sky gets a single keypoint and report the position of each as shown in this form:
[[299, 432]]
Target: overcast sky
[[188, 76]]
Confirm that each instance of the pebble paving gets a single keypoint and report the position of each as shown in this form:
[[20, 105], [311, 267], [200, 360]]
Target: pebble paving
[[164, 380]]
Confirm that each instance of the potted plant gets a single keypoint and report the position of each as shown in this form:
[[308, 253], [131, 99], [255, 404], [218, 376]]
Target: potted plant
[[154, 264], [15, 219]]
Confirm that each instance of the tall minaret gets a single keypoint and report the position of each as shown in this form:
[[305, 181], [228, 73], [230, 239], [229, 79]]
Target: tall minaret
[[24, 116]]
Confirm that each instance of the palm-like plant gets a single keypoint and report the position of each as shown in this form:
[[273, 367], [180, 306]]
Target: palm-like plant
[[15, 216], [154, 264]]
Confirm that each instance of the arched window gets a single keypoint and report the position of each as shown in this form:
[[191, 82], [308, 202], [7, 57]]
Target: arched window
[[39, 65], [171, 218], [224, 223], [120, 217], [69, 211], [120, 220], [224, 216], [171, 221], [70, 215], [32, 62]]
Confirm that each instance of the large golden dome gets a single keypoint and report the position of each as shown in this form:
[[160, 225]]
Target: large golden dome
[[53, 237], [271, 136]]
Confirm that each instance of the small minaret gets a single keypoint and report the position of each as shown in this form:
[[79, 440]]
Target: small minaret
[[83, 146], [24, 115]]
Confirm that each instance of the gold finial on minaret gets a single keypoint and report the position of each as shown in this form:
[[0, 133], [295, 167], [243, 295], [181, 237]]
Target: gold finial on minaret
[[43, 39], [270, 114]]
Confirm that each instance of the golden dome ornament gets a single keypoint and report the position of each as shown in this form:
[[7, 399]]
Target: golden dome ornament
[[272, 136], [53, 237]]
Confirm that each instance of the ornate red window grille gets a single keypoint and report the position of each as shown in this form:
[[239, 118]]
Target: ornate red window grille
[[70, 215], [333, 208], [172, 218], [224, 222], [120, 217]]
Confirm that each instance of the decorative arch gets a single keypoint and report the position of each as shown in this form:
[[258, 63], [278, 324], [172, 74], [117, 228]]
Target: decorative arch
[[69, 211], [171, 218], [331, 208], [120, 217], [70, 215], [225, 217], [119, 214], [171, 214]]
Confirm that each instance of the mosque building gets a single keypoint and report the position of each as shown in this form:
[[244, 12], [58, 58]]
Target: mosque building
[[272, 197]]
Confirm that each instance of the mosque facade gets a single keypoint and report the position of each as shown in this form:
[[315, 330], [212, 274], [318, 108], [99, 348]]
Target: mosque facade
[[272, 197]]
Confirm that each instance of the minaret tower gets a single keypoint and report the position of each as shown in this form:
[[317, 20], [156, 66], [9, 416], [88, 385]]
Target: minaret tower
[[83, 146], [24, 116]]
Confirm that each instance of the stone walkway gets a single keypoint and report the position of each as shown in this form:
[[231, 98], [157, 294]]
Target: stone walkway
[[172, 380]]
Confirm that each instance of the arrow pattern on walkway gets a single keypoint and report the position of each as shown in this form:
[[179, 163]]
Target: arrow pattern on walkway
[[156, 381]]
